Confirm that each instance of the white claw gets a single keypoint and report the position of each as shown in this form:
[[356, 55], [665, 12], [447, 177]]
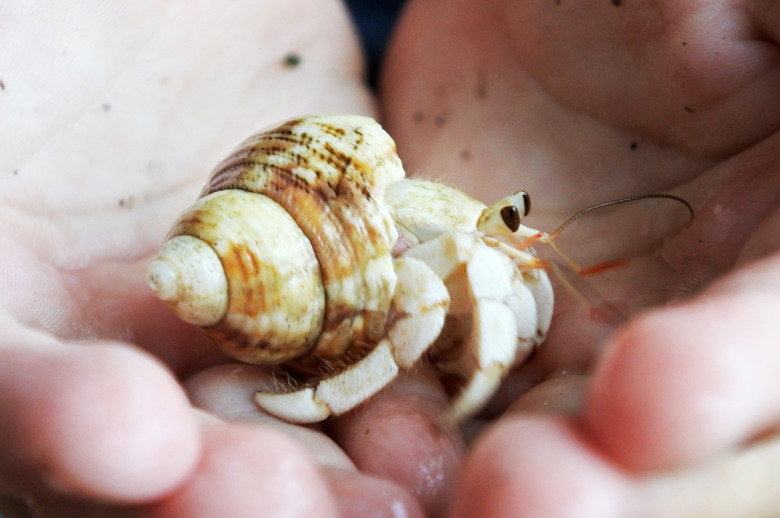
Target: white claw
[[359, 382], [188, 276], [300, 406], [337, 394], [421, 300]]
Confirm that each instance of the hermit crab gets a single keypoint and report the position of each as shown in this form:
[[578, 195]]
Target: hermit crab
[[308, 249]]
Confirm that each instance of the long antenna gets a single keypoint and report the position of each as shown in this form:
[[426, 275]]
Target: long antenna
[[618, 202], [524, 259]]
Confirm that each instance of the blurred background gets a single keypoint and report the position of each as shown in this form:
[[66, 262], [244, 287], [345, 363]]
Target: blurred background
[[374, 20]]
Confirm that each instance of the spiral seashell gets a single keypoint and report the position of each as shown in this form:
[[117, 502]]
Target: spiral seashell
[[288, 258], [288, 250]]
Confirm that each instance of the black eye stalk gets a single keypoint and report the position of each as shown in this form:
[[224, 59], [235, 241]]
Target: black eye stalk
[[504, 216], [520, 207]]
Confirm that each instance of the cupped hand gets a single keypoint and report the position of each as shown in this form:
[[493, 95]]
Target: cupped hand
[[113, 114], [583, 102]]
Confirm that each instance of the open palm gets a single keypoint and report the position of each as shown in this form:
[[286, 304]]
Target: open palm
[[112, 118], [582, 102]]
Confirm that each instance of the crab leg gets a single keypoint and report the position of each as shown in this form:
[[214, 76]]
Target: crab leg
[[491, 348], [420, 306], [336, 394], [505, 325]]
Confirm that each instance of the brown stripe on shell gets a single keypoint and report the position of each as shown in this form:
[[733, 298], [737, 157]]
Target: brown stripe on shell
[[330, 173], [312, 365], [276, 299], [246, 347]]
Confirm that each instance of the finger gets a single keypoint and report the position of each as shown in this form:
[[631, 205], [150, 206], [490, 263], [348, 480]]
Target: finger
[[226, 391], [395, 435], [550, 467], [249, 471], [358, 495], [563, 394], [274, 477], [101, 420], [679, 385], [539, 467], [739, 485]]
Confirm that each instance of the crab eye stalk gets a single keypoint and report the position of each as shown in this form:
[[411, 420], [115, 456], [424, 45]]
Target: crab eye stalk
[[503, 217]]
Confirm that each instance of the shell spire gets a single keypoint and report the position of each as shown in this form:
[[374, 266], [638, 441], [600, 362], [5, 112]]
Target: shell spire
[[237, 264], [187, 274]]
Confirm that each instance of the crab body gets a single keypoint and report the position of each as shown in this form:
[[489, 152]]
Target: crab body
[[309, 248]]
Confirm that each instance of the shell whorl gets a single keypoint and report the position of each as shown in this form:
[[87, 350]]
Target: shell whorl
[[329, 173], [326, 177], [275, 301], [188, 275]]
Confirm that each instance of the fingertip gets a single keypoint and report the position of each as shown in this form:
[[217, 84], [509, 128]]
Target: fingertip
[[250, 471], [226, 391], [621, 401], [561, 394], [539, 467], [636, 406], [676, 386], [128, 433], [102, 421], [396, 436], [360, 495]]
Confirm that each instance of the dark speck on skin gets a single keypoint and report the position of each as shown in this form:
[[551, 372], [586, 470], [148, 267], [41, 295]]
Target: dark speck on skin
[[417, 116], [126, 203], [465, 154], [616, 3], [481, 85], [688, 109], [440, 120], [634, 145], [292, 60]]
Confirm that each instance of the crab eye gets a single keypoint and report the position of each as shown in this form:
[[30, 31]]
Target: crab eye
[[510, 215], [526, 203], [503, 217]]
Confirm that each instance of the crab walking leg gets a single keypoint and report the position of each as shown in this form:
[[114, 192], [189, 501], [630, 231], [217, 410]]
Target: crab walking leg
[[493, 341], [505, 324], [337, 394], [420, 306]]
